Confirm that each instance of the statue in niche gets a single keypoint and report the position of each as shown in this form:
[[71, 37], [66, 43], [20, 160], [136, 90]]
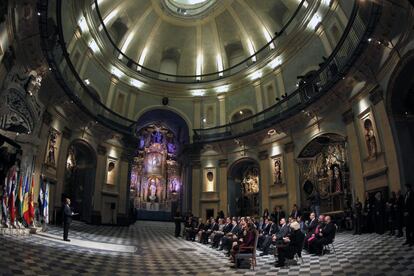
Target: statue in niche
[[153, 190], [156, 137], [278, 172], [336, 179], [71, 160], [141, 142], [250, 183], [51, 158], [370, 138]]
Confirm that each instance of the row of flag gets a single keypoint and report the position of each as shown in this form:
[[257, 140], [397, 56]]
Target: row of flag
[[17, 199]]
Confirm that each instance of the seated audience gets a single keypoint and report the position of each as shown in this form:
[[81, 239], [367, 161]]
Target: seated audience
[[231, 236], [213, 226], [310, 238], [325, 236], [275, 238], [264, 231], [245, 243], [291, 245], [201, 228]]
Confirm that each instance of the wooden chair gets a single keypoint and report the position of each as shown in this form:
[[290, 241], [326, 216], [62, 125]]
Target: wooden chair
[[248, 255]]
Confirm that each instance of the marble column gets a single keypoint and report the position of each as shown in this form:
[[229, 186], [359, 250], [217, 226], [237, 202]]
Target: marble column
[[376, 97], [111, 91], [264, 179], [223, 185], [259, 98], [222, 109], [196, 188], [355, 161], [292, 180]]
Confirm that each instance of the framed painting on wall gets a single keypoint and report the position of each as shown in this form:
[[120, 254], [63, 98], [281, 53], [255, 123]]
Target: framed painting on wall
[[277, 169], [369, 134], [111, 169]]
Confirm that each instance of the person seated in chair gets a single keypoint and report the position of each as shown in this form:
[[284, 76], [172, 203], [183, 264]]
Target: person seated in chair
[[213, 226], [229, 237], [276, 237], [292, 244], [201, 228], [188, 229], [245, 244], [313, 235], [264, 232], [223, 230], [310, 228], [325, 236]]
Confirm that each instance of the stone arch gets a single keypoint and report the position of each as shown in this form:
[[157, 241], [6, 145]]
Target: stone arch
[[400, 112]]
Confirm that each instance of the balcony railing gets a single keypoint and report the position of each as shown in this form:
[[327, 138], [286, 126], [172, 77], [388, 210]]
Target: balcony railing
[[255, 58], [350, 46], [54, 48], [348, 49]]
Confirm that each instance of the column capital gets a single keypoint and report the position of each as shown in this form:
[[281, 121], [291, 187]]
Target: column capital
[[289, 147], [196, 164], [348, 116], [263, 155], [47, 118], [223, 163], [376, 95], [66, 133], [101, 150]]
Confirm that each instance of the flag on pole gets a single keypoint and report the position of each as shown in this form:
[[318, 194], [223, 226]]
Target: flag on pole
[[46, 203], [40, 200], [4, 202], [12, 196], [26, 201], [19, 198], [31, 206]]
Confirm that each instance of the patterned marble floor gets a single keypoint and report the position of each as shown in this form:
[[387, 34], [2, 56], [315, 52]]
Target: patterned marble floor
[[157, 252]]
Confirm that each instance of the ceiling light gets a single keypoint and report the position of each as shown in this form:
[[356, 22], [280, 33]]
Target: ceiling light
[[136, 83], [241, 112], [83, 25], [116, 72], [315, 21], [222, 89], [256, 75], [204, 120], [277, 61], [93, 46], [198, 92], [87, 81]]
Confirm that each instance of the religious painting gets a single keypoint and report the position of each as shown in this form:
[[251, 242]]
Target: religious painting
[[369, 134], [111, 169], [209, 179], [250, 181], [277, 169], [52, 148]]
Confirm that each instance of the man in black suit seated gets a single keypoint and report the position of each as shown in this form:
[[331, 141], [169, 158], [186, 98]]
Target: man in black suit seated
[[67, 219], [326, 236], [291, 245], [189, 228], [275, 238], [218, 235], [295, 212], [264, 232], [232, 235], [206, 234], [310, 227]]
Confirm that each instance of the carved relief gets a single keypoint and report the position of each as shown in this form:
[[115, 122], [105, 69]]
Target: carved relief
[[52, 149]]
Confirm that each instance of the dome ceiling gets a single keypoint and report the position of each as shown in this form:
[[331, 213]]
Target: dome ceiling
[[192, 37]]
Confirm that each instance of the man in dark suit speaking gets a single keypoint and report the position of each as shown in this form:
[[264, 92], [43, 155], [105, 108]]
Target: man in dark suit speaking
[[67, 219]]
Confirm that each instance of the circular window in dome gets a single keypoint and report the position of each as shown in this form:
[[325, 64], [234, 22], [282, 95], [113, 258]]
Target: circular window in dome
[[189, 8]]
